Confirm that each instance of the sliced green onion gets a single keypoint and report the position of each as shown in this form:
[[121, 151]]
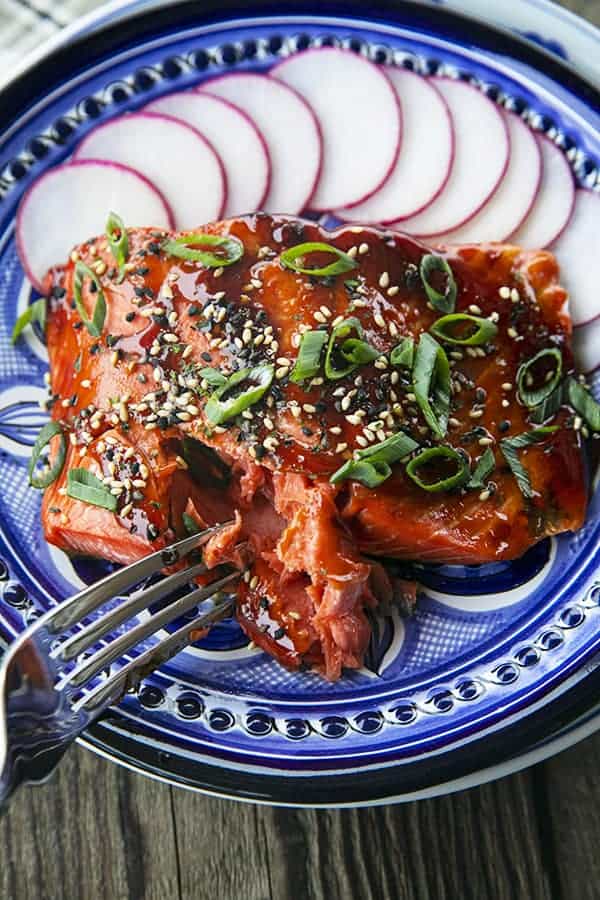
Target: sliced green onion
[[221, 408], [583, 403], [36, 312], [228, 249], [295, 259], [443, 302], [84, 485], [450, 328], [96, 323], [213, 376], [437, 455], [45, 478], [403, 355], [530, 395], [548, 408], [308, 360], [510, 450], [345, 353], [190, 524], [372, 466], [484, 468], [118, 241], [431, 379]]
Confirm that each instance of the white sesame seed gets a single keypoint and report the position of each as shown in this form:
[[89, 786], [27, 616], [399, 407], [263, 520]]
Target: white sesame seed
[[326, 311], [395, 377], [309, 408], [370, 436], [126, 510], [256, 283], [504, 292], [494, 317], [454, 423], [335, 429], [238, 343], [486, 441], [393, 329], [281, 372], [218, 272], [363, 248], [512, 332], [476, 413], [317, 382], [187, 352], [391, 292], [474, 309], [247, 414], [319, 317], [123, 412], [577, 423], [361, 441], [253, 582], [337, 321], [246, 576], [411, 397], [381, 435], [514, 295], [181, 463], [150, 426], [295, 411], [346, 401], [384, 280], [379, 320], [208, 310], [353, 419], [219, 295], [341, 447], [183, 416], [283, 361], [270, 442], [170, 338], [114, 358], [485, 495], [507, 386], [352, 252], [381, 363]]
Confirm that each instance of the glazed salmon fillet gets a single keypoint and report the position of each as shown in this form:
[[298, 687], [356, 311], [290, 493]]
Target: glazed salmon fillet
[[149, 406]]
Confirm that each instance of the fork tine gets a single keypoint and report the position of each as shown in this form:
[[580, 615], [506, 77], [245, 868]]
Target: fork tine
[[128, 641], [134, 604], [86, 601], [130, 675]]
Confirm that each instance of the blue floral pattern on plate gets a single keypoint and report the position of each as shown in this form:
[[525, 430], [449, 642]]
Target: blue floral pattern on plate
[[486, 642]]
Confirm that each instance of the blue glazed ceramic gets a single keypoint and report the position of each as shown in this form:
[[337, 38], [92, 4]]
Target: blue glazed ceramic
[[498, 659]]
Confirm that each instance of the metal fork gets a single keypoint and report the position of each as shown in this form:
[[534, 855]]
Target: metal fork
[[56, 679]]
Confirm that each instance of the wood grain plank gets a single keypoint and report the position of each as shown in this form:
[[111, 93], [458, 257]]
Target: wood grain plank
[[572, 792], [96, 830], [477, 844], [222, 849]]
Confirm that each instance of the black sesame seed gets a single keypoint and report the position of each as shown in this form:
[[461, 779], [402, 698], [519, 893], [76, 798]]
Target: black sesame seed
[[152, 532], [77, 325], [206, 356], [260, 451], [153, 247], [138, 291], [279, 633], [480, 395], [163, 422], [130, 316], [58, 292], [264, 602], [307, 431], [142, 378], [193, 310], [504, 425]]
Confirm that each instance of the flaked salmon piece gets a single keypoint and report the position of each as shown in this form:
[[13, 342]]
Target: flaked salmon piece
[[132, 402]]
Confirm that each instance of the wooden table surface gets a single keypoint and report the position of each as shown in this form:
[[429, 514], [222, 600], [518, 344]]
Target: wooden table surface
[[99, 831]]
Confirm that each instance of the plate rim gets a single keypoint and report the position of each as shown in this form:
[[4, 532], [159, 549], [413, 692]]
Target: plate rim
[[89, 28]]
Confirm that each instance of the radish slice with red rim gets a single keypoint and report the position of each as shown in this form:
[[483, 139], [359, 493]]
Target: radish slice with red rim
[[426, 153], [578, 253], [71, 203], [552, 209], [173, 155], [510, 203], [360, 119], [236, 139], [290, 130], [482, 149], [586, 345]]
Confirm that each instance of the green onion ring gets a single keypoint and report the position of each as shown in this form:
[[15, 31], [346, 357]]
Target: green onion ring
[[118, 241], [230, 249], [403, 355], [510, 448], [43, 439], [435, 453], [85, 486], [308, 360], [220, 408], [484, 329], [583, 403], [445, 302], [532, 397], [343, 263], [96, 323]]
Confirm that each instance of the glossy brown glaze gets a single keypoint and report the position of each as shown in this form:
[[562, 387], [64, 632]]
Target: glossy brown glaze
[[129, 398]]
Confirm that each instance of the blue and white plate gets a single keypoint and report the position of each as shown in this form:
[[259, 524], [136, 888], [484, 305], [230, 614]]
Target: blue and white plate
[[499, 664]]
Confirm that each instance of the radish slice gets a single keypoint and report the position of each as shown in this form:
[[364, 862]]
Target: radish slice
[[554, 203], [71, 203], [511, 202], [426, 154], [173, 155], [360, 119], [586, 344], [290, 129], [236, 139], [480, 160], [578, 253]]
